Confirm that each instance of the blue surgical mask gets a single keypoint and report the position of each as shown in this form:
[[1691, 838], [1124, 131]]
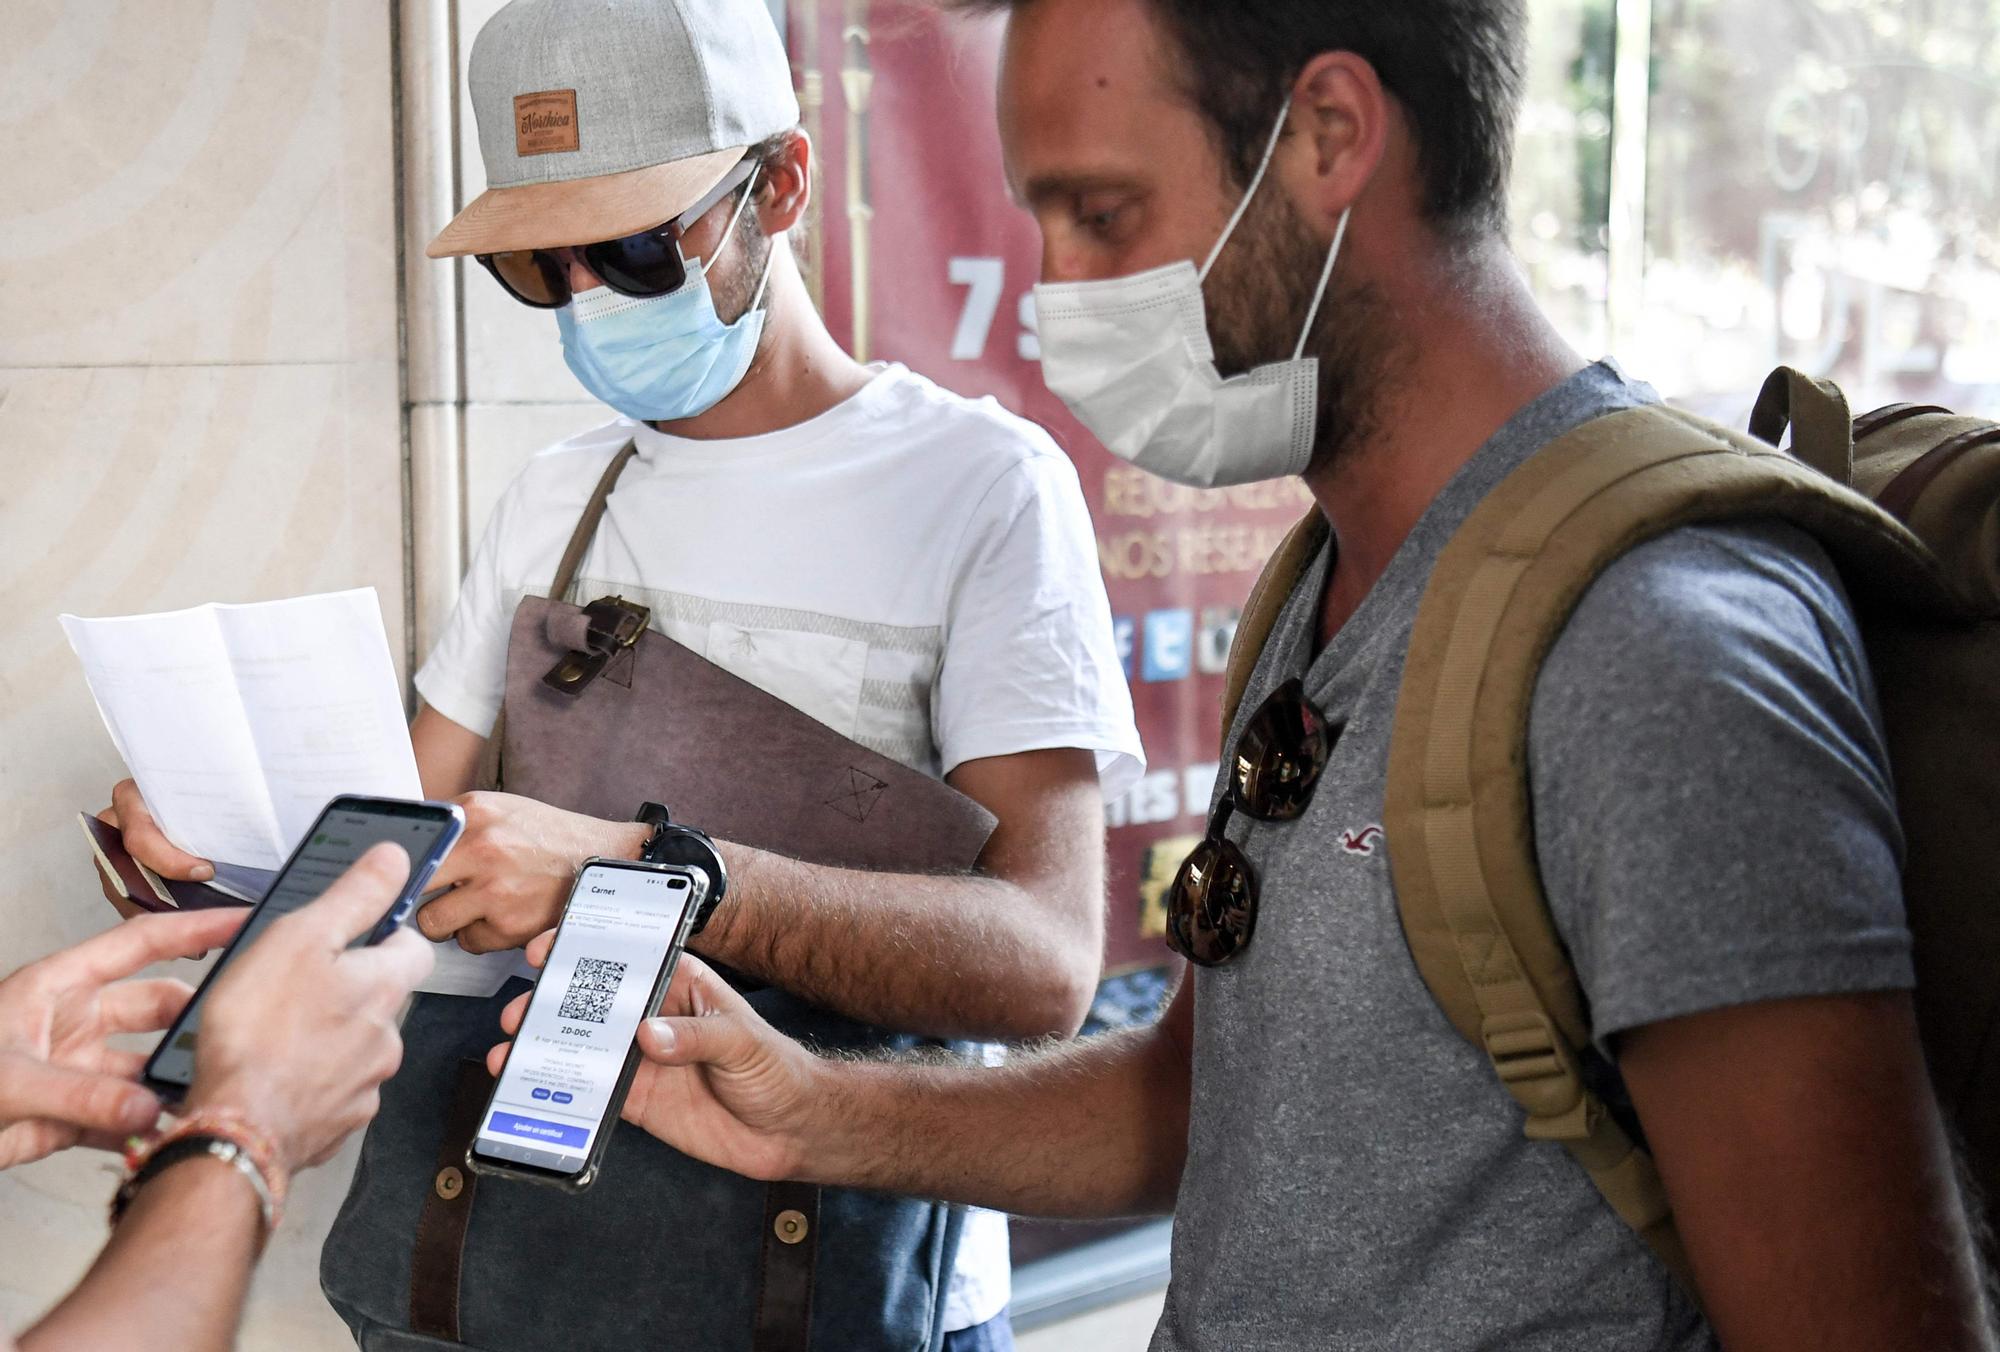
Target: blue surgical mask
[[664, 358]]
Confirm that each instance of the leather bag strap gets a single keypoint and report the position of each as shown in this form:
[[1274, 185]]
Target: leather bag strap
[[586, 526], [785, 1269], [492, 763], [438, 1256]]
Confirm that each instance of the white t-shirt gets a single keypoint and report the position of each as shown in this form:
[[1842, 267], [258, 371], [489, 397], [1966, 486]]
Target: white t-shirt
[[916, 570]]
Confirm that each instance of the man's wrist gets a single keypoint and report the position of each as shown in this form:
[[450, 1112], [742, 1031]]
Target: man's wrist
[[720, 940], [204, 1186], [625, 840], [841, 1142], [238, 1097], [222, 1134]]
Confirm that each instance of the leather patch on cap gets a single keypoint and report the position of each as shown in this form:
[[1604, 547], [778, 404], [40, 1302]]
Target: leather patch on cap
[[545, 123]]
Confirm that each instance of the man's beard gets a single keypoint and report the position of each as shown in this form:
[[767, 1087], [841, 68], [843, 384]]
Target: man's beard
[[733, 282], [1258, 296]]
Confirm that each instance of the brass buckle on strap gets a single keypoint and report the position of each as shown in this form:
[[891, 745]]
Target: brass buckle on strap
[[615, 624]]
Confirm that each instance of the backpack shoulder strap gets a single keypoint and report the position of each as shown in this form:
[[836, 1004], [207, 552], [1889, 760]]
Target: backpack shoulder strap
[[1460, 834], [1260, 612], [1817, 412]]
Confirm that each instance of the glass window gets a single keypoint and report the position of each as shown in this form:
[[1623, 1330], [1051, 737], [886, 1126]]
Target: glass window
[[1562, 166], [1821, 186]]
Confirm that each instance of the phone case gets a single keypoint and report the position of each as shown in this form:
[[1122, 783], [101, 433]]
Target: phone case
[[584, 1177]]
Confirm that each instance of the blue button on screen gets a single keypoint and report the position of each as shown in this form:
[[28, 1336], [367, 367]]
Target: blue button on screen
[[564, 1096], [541, 1093], [534, 1129]]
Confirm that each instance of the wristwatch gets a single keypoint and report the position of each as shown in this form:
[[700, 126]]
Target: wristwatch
[[673, 843]]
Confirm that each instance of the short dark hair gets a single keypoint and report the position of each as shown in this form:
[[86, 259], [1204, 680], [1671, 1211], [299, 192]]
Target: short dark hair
[[1456, 66], [771, 149]]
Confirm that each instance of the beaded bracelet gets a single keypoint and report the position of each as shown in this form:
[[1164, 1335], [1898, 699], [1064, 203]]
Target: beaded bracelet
[[218, 1133]]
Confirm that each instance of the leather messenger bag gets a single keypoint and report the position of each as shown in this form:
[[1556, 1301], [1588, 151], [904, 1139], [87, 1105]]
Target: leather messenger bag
[[601, 714]]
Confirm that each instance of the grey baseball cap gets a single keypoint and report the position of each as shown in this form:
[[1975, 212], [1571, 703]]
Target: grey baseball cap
[[600, 118]]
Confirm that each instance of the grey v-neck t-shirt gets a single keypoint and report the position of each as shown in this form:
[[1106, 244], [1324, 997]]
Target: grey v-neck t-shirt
[[1715, 826]]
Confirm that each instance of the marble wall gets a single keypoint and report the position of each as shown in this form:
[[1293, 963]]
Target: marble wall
[[487, 384], [200, 398]]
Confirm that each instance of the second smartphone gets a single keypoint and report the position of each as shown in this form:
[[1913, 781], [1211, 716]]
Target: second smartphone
[[572, 1062], [345, 831]]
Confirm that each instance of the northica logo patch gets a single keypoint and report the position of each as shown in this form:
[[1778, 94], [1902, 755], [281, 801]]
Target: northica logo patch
[[545, 123]]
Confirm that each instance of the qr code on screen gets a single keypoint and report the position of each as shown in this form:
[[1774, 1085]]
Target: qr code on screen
[[591, 987]]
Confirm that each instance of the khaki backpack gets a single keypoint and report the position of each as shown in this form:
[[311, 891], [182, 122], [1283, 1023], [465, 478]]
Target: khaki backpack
[[1907, 501]]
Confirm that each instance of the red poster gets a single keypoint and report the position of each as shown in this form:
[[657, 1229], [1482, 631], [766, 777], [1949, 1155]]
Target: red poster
[[919, 256]]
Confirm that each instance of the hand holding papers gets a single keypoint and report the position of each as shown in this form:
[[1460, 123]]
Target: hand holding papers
[[240, 722]]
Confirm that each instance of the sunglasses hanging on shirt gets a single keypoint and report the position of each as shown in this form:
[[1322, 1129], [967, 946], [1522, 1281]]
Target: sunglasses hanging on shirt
[[643, 265], [1280, 756]]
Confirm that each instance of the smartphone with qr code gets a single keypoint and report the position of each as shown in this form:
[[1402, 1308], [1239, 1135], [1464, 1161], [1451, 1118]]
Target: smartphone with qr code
[[558, 1098]]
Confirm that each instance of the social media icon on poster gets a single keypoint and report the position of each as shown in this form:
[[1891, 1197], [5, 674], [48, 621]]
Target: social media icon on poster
[[1169, 645], [1218, 631], [1122, 630]]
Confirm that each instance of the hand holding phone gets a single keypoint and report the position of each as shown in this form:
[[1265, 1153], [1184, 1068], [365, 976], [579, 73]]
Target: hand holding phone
[[302, 1030], [559, 1095], [716, 1082], [343, 833]]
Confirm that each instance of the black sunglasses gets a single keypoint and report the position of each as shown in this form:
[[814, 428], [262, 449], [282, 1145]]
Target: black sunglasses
[[643, 266], [1212, 906]]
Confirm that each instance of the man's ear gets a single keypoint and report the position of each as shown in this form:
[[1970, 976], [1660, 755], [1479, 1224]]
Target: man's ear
[[784, 188], [1342, 123]]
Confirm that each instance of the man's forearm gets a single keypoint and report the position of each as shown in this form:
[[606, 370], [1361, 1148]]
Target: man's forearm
[[173, 1276], [945, 956], [1011, 953], [1096, 1129]]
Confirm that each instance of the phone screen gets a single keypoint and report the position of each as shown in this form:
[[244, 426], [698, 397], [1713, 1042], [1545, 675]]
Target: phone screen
[[555, 1094], [343, 833]]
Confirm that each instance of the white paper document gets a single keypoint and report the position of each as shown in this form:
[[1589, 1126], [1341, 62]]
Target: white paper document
[[240, 722]]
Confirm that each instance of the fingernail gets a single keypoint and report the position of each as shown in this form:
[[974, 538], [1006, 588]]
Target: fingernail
[[663, 1034], [201, 873], [142, 1110]]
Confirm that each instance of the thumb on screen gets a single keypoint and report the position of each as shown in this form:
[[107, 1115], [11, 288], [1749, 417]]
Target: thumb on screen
[[362, 896], [538, 948], [393, 968]]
